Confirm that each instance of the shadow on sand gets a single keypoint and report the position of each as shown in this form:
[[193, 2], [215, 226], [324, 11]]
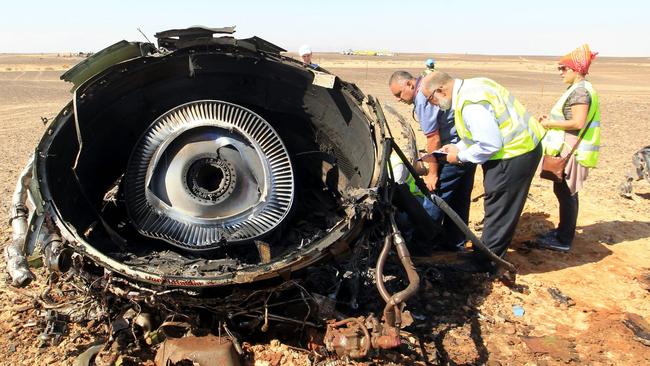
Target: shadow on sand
[[591, 243]]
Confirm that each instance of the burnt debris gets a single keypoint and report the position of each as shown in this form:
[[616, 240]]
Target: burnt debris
[[197, 186]]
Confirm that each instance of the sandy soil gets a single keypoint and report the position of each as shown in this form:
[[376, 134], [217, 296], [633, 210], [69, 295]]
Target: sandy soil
[[607, 274]]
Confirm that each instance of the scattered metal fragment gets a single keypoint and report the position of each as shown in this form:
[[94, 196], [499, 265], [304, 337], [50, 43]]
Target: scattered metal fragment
[[85, 358], [561, 297], [209, 350], [641, 164], [55, 328], [57, 257], [639, 327]]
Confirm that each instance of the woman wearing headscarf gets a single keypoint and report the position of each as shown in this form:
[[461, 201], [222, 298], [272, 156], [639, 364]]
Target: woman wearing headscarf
[[575, 114]]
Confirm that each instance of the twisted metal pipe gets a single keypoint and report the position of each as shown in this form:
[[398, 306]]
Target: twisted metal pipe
[[14, 253]]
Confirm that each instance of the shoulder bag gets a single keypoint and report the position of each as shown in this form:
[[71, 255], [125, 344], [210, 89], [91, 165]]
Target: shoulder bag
[[553, 166]]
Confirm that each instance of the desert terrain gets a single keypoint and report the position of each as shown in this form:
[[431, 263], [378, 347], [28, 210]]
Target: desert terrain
[[606, 275]]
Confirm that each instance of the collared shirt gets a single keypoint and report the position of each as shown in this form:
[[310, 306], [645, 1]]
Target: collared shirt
[[433, 119], [481, 121], [427, 113]]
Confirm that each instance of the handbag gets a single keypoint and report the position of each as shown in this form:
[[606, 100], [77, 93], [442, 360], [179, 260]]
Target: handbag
[[553, 166]]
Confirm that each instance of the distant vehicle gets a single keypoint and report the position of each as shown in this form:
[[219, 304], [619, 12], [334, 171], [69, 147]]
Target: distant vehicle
[[367, 53]]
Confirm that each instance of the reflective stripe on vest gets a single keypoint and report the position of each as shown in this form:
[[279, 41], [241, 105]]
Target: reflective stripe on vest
[[410, 181], [587, 152], [520, 131]]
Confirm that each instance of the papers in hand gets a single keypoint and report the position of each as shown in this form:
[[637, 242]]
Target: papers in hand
[[436, 154]]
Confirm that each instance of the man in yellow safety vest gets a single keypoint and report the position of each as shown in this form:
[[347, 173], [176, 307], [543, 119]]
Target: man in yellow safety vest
[[497, 132]]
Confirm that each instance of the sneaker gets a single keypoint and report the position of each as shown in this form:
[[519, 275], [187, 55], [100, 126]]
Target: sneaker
[[551, 234], [551, 243]]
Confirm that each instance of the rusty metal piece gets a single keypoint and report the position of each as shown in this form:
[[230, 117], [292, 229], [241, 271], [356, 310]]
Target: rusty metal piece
[[392, 312], [389, 339], [351, 337], [264, 250], [379, 269], [353, 340], [202, 351], [386, 336]]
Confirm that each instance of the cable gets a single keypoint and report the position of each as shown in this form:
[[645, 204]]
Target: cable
[[450, 212]]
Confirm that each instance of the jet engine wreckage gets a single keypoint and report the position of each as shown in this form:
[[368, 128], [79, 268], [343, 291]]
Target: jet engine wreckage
[[208, 178]]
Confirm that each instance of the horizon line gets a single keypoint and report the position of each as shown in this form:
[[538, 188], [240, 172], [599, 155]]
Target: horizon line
[[339, 53]]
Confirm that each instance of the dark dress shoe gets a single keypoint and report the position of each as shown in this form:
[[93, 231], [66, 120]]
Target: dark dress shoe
[[551, 243]]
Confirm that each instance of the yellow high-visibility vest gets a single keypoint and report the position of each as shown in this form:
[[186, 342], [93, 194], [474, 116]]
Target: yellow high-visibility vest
[[587, 151], [520, 131], [395, 161]]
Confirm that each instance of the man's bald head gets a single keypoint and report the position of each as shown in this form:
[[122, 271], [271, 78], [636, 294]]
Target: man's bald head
[[438, 87], [434, 80]]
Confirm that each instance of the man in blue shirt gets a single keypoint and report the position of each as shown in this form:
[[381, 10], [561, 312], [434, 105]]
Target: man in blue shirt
[[453, 183]]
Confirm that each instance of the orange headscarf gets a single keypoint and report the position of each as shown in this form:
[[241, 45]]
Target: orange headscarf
[[579, 59]]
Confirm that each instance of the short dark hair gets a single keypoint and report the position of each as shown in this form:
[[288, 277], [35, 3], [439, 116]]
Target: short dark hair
[[400, 76]]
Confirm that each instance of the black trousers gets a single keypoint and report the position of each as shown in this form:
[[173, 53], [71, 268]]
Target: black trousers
[[506, 184], [455, 184], [566, 229]]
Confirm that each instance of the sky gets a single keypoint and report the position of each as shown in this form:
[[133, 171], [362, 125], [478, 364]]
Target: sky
[[497, 27]]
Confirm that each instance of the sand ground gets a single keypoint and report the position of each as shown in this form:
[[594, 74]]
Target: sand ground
[[607, 273]]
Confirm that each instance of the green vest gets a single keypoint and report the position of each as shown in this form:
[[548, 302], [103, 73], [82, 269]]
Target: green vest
[[395, 161], [521, 132], [588, 150]]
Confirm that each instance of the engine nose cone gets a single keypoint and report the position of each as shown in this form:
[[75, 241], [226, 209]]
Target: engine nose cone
[[206, 173]]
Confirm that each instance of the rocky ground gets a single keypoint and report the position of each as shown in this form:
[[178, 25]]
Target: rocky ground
[[566, 308]]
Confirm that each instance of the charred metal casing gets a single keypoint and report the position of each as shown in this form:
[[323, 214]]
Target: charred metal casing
[[128, 103]]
